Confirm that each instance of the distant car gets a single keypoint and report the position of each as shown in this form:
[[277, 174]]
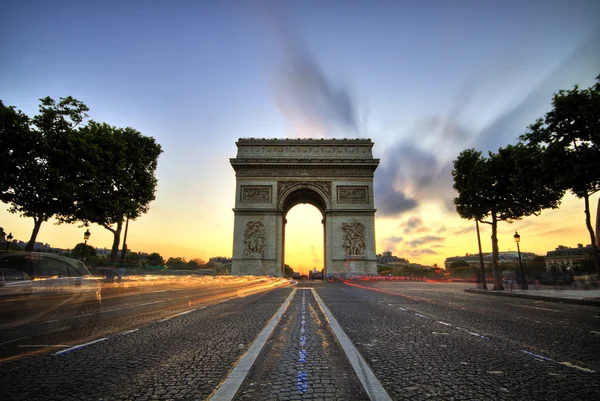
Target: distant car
[[106, 274], [59, 289]]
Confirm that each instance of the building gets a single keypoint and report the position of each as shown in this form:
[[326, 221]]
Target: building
[[503, 257], [564, 257]]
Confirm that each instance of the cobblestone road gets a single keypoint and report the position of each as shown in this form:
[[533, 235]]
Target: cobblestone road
[[302, 360], [421, 340]]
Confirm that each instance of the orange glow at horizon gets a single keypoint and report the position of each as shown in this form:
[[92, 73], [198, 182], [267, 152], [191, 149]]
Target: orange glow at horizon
[[304, 239]]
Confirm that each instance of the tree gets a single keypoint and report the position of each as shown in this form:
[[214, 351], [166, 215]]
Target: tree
[[34, 159], [154, 259], [570, 136], [458, 263], [288, 271], [506, 186], [115, 169], [80, 250], [178, 263], [195, 263]]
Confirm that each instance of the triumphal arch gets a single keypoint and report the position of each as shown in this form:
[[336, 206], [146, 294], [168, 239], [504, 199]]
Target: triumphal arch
[[274, 175]]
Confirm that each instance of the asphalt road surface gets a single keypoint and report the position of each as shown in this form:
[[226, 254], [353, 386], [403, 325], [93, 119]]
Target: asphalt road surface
[[267, 340]]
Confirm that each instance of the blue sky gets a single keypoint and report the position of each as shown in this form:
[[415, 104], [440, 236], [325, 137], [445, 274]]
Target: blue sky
[[424, 80]]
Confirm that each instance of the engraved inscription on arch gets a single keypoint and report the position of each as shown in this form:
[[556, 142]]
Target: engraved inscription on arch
[[256, 194], [353, 194]]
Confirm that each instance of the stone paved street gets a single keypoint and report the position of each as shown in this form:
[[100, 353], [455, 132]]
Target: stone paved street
[[302, 361], [421, 341]]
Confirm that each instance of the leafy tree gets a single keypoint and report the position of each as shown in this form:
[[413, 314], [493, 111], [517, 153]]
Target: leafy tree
[[154, 259], [288, 271], [176, 263], [570, 135], [115, 169], [506, 186], [34, 158], [82, 249], [195, 263], [458, 263]]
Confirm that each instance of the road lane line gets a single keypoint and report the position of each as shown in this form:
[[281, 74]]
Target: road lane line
[[536, 355], [80, 346], [418, 314], [571, 365], [444, 323], [42, 345], [535, 307], [366, 376], [595, 332], [129, 331], [16, 339], [232, 383]]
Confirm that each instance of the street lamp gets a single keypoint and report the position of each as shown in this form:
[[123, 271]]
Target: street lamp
[[86, 237], [523, 280], [8, 240]]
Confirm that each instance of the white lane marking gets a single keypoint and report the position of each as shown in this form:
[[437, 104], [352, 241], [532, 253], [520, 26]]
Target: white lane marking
[[42, 345], [478, 335], [418, 314], [444, 323], [51, 321], [232, 383], [571, 365], [129, 331], [80, 346], [536, 355], [370, 383], [402, 309], [595, 332], [14, 340], [535, 307], [160, 291], [177, 314]]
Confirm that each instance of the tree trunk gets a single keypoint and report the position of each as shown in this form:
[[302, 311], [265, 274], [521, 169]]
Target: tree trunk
[[495, 253], [36, 229], [483, 281], [114, 253], [124, 251], [588, 223]]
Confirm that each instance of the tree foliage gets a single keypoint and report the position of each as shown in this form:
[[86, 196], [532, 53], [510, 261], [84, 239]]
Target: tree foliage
[[154, 259], [34, 158], [177, 263], [505, 186], [458, 263], [80, 250], [115, 169], [570, 136]]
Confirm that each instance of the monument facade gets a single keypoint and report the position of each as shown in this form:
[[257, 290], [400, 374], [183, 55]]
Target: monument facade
[[274, 175]]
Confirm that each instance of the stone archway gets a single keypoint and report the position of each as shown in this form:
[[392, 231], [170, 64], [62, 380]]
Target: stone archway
[[274, 175]]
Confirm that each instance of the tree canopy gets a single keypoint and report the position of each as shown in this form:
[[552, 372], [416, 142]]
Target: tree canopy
[[570, 137], [34, 160], [505, 186]]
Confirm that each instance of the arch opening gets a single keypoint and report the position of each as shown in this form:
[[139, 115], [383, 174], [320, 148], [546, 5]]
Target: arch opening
[[304, 195], [304, 239]]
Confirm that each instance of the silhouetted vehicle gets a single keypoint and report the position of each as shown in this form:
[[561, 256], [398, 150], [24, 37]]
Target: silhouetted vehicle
[[106, 274], [61, 290]]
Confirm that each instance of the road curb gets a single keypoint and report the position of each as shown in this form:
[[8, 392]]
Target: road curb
[[577, 301]]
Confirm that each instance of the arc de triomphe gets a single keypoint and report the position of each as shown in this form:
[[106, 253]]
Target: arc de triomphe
[[274, 175]]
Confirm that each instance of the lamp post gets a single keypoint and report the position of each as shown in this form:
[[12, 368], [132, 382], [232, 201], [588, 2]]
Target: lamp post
[[86, 237], [523, 280], [8, 240]]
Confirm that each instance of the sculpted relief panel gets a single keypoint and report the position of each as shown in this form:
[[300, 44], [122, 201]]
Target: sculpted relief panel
[[353, 194], [254, 239], [354, 238], [256, 194]]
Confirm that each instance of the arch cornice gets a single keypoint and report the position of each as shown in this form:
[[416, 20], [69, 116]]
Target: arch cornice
[[285, 189]]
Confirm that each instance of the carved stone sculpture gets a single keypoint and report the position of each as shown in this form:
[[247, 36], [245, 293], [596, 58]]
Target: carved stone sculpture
[[252, 194], [254, 238], [354, 238]]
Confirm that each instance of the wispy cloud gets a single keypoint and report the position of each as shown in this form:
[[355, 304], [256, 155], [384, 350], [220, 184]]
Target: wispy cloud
[[424, 240]]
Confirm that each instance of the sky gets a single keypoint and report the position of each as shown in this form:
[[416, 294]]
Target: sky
[[424, 80]]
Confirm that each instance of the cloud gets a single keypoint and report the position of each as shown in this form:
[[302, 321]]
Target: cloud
[[424, 240], [307, 95], [417, 253], [413, 223], [463, 231], [441, 230]]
